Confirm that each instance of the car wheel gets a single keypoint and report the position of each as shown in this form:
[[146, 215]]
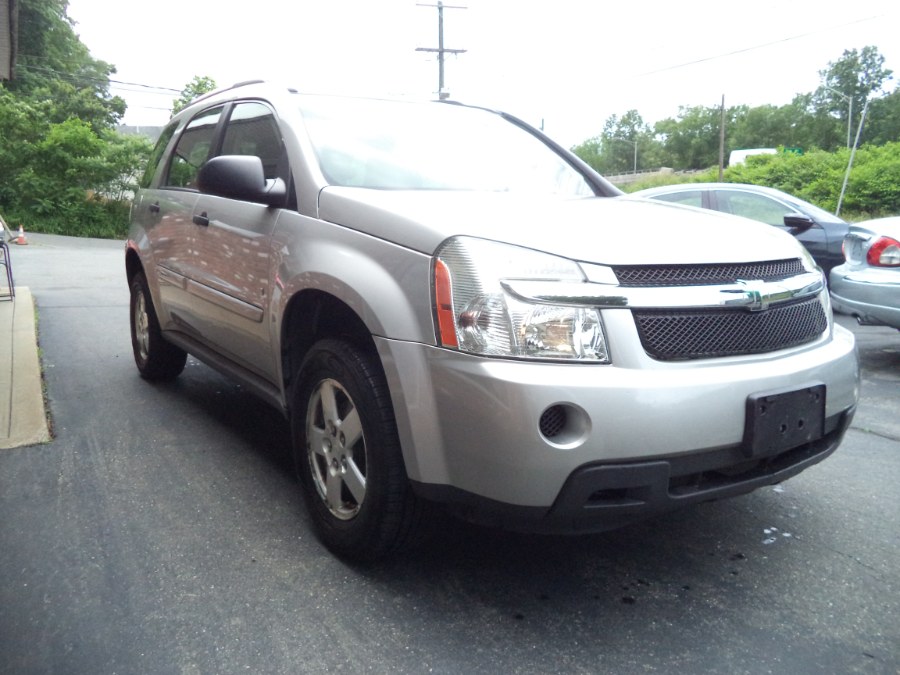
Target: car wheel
[[156, 359], [347, 454]]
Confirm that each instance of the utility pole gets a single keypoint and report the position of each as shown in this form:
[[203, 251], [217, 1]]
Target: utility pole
[[722, 142], [862, 120], [441, 50]]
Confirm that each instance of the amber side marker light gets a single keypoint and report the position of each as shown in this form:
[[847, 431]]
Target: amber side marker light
[[443, 297]]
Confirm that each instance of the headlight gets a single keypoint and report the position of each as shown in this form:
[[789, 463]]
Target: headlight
[[476, 315]]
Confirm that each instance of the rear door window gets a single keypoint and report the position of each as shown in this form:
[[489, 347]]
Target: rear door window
[[689, 198]]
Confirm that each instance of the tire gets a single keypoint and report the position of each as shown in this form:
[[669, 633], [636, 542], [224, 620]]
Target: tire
[[156, 359], [347, 454]]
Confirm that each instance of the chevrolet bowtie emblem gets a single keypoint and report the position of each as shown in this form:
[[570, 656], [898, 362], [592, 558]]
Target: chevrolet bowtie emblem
[[756, 297]]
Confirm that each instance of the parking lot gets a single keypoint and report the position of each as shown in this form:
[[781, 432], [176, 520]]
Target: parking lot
[[163, 531]]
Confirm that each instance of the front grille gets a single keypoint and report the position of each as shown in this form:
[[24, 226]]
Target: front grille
[[696, 275], [678, 334]]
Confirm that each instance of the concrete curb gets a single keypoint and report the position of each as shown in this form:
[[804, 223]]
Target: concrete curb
[[23, 419]]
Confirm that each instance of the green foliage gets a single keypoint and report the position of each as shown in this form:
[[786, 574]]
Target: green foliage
[[817, 177], [883, 120], [874, 187], [816, 122], [692, 140], [591, 151], [53, 66], [620, 148], [65, 170], [195, 88]]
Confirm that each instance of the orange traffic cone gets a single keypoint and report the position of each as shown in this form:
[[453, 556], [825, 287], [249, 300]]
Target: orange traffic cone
[[21, 240]]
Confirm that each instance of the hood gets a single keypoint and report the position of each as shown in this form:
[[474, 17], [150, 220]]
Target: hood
[[603, 230]]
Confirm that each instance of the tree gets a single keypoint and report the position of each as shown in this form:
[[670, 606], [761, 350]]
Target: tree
[[197, 87], [591, 151], [883, 120], [848, 82], [622, 141], [815, 120], [64, 167], [692, 140], [53, 65]]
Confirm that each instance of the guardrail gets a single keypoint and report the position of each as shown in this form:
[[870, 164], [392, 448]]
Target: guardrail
[[632, 176]]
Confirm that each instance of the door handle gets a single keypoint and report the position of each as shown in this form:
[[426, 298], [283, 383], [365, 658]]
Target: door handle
[[202, 219]]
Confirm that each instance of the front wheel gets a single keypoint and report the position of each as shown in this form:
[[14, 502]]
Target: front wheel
[[347, 453], [155, 358]]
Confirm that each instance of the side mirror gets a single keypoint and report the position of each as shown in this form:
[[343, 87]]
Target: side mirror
[[798, 222], [241, 177]]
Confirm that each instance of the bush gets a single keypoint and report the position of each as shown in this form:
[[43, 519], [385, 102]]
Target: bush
[[873, 189], [75, 182]]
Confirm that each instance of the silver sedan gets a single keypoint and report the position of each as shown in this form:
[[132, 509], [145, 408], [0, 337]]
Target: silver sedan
[[867, 285]]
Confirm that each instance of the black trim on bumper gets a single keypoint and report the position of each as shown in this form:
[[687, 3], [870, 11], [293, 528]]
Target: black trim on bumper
[[604, 496]]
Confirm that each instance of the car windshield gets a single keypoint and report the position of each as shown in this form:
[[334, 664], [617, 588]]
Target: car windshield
[[432, 146]]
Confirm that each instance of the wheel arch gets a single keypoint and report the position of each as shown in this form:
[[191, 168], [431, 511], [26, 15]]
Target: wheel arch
[[312, 315], [133, 264]]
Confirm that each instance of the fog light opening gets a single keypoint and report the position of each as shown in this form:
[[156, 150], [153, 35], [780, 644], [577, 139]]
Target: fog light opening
[[564, 425], [553, 421]]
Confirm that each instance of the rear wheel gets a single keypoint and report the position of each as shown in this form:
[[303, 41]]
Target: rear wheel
[[347, 453], [155, 358]]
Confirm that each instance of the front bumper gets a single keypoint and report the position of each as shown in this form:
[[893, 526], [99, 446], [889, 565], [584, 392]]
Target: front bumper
[[474, 430], [870, 294], [600, 497]]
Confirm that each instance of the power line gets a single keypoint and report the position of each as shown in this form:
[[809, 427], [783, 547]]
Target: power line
[[755, 47], [148, 86], [162, 91]]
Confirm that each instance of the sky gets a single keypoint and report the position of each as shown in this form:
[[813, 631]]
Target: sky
[[564, 65]]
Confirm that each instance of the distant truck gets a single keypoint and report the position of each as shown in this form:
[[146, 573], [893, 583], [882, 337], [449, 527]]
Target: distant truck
[[738, 156]]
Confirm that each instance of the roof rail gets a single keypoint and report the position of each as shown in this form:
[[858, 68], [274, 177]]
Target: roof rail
[[223, 89]]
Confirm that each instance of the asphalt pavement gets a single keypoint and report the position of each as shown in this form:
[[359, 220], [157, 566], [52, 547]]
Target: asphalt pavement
[[162, 531]]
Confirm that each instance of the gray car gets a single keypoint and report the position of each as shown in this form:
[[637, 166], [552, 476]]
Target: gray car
[[451, 310], [818, 230], [867, 286]]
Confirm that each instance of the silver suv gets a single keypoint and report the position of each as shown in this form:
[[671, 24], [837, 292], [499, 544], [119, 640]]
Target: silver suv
[[452, 309]]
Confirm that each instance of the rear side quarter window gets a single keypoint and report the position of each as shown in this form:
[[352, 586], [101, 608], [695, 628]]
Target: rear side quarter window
[[157, 155]]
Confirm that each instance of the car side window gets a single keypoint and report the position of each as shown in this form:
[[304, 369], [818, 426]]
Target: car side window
[[756, 207], [192, 149], [252, 130], [689, 198]]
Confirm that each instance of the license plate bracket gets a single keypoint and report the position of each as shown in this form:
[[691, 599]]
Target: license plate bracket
[[779, 420]]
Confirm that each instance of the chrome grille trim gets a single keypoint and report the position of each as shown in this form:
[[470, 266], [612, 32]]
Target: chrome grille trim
[[751, 294]]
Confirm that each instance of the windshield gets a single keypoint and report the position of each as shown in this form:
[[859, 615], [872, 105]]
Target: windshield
[[432, 146]]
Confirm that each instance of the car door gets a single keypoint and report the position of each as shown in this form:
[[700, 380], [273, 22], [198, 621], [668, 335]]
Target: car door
[[232, 254], [771, 211], [165, 212]]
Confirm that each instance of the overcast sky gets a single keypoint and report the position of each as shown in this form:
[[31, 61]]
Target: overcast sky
[[568, 64]]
